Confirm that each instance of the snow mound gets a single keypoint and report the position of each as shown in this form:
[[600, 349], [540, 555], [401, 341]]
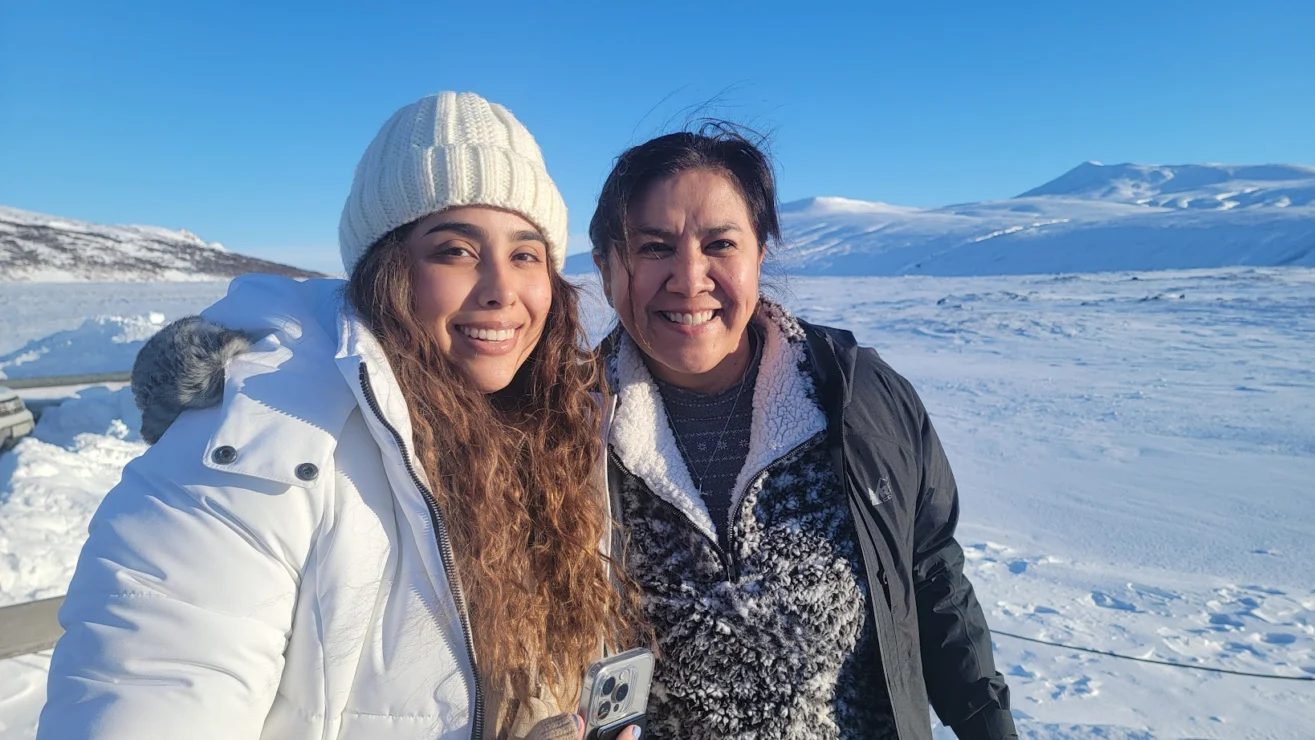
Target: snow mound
[[105, 344], [97, 411], [51, 484]]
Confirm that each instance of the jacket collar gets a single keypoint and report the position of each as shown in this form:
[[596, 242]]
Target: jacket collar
[[785, 414], [361, 360]]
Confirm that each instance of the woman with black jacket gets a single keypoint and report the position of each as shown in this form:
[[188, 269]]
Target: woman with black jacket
[[790, 512]]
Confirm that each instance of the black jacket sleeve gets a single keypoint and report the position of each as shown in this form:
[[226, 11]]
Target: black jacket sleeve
[[965, 689]]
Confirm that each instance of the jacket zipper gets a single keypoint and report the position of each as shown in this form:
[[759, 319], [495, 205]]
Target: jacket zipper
[[880, 601], [884, 641], [732, 571], [727, 558], [444, 552], [722, 555], [738, 502]]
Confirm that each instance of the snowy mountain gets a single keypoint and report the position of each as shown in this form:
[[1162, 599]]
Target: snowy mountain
[[48, 249], [1094, 218], [1208, 187]]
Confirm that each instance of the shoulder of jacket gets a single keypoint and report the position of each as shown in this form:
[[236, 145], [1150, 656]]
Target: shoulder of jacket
[[283, 410], [841, 341], [870, 363], [879, 399], [266, 355], [858, 361], [197, 491]]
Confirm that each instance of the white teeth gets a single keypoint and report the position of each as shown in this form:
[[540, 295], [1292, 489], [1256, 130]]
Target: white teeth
[[488, 335], [688, 319]]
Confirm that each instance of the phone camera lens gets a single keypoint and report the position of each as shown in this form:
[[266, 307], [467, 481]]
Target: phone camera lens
[[608, 685], [622, 692], [604, 709]]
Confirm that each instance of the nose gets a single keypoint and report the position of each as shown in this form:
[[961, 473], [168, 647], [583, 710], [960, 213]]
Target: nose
[[496, 287], [689, 272]]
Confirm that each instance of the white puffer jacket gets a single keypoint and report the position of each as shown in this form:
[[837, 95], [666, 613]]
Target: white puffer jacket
[[271, 568]]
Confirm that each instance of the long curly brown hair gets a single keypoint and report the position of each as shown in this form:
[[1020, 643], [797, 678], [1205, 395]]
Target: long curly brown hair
[[513, 475]]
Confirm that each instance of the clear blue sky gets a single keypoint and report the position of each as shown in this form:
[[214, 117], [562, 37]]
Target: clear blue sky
[[242, 122]]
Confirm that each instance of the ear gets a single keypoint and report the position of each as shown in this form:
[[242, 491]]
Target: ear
[[601, 263], [762, 253]]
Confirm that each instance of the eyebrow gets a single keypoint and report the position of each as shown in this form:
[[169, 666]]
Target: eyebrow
[[722, 229], [655, 231], [529, 236], [471, 231], [460, 227], [661, 233]]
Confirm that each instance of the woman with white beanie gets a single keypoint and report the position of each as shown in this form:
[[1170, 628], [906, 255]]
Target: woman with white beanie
[[388, 528]]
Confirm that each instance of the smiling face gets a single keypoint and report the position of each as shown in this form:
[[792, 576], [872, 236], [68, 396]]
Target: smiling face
[[480, 278], [692, 283]]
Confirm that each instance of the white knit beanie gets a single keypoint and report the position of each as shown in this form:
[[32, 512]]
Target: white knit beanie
[[448, 150]]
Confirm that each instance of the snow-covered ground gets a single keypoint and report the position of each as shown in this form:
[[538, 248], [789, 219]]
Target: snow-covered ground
[[1137, 460], [31, 311], [100, 342], [1136, 455]]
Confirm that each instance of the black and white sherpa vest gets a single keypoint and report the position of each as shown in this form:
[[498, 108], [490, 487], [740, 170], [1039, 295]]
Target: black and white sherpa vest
[[771, 638]]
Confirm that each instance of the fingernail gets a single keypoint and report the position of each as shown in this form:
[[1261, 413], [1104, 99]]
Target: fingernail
[[637, 732], [579, 722]]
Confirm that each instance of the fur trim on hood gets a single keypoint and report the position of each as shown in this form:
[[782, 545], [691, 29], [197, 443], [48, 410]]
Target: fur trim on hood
[[182, 368]]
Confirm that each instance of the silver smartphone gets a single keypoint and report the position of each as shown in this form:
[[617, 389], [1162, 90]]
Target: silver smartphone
[[615, 694]]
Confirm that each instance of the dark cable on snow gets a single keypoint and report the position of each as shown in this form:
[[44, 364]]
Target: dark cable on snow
[[1152, 661]]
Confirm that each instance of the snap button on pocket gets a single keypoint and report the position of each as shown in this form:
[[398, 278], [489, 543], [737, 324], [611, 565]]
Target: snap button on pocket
[[224, 455], [307, 471]]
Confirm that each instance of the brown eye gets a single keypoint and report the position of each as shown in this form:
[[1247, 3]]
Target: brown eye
[[454, 251], [653, 249]]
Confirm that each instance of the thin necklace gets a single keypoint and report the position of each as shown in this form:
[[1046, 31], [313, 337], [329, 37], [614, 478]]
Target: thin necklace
[[698, 484]]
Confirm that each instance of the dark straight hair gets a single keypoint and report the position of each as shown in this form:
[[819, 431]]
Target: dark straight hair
[[717, 146]]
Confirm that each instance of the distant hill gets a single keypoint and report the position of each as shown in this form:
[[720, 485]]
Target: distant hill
[[1192, 186], [38, 248], [1093, 218]]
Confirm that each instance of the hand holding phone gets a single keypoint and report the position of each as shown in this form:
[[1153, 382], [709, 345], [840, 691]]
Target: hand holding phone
[[614, 694]]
